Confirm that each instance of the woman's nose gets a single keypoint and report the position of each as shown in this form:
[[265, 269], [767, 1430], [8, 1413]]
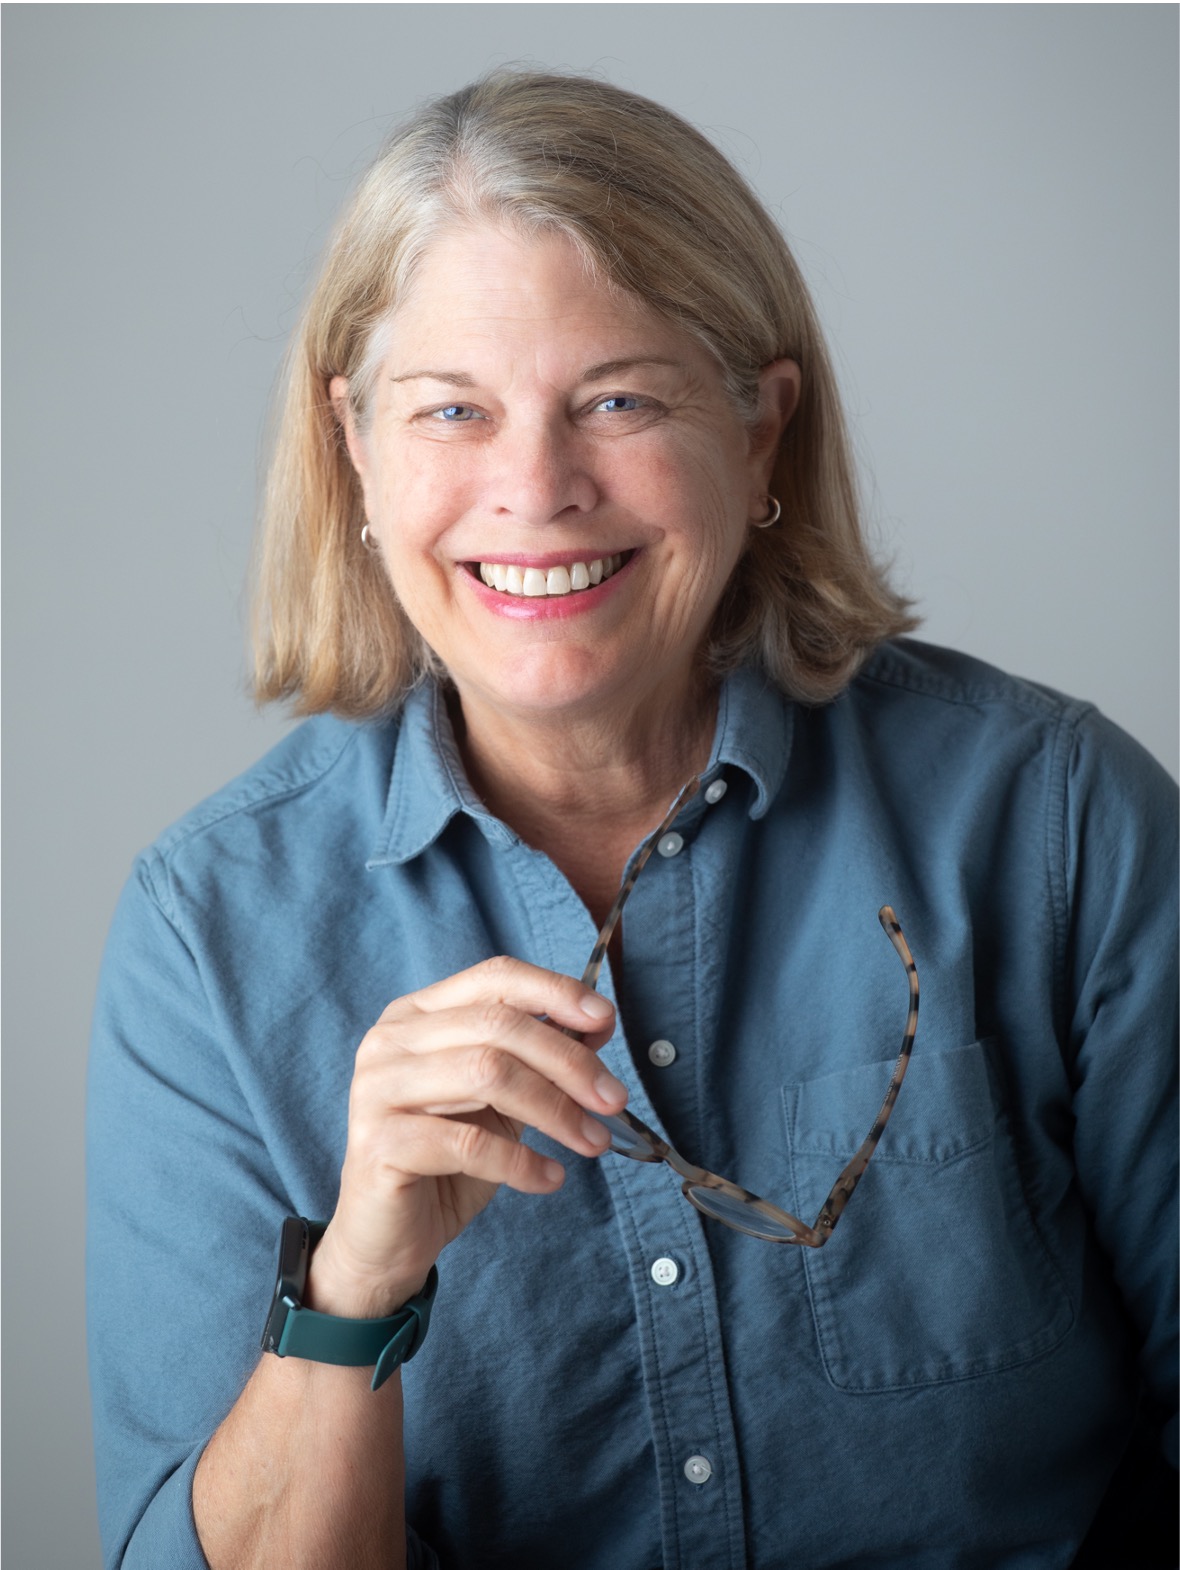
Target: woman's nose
[[541, 473]]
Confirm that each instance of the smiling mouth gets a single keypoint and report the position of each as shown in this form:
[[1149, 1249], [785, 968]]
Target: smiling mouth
[[539, 583]]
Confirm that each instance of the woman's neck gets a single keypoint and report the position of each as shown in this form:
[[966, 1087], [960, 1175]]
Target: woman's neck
[[585, 790]]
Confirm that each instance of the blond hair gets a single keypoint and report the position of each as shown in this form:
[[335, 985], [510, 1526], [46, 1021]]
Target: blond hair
[[654, 209]]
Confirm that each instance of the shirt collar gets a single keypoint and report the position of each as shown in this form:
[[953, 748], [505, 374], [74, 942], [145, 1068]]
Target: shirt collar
[[428, 785], [755, 726]]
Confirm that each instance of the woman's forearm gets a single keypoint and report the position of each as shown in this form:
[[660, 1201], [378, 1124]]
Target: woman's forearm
[[307, 1471]]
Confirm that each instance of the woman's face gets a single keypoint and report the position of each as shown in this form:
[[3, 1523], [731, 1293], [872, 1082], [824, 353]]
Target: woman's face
[[558, 483]]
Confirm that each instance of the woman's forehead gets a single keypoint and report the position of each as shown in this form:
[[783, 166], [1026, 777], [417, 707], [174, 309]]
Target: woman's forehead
[[486, 291]]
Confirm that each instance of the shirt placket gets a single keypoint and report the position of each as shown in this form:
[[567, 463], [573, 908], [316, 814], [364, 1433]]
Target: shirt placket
[[671, 1274]]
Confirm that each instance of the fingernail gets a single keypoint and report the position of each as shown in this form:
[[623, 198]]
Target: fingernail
[[609, 1088], [595, 1007], [554, 1172], [596, 1132]]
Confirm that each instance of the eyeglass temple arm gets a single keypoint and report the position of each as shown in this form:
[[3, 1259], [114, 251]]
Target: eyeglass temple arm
[[594, 964], [845, 1184]]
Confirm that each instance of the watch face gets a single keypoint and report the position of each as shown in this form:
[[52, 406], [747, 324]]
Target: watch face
[[294, 1248], [293, 1252]]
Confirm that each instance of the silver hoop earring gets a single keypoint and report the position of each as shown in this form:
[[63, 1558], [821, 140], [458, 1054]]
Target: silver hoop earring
[[773, 515], [368, 541]]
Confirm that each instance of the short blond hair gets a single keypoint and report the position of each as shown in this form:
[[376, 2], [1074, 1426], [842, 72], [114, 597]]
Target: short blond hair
[[656, 210]]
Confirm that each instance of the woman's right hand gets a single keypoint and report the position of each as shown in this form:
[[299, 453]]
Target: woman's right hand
[[443, 1086]]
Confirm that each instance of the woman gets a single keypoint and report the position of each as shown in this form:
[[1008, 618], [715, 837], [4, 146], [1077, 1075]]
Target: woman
[[561, 520]]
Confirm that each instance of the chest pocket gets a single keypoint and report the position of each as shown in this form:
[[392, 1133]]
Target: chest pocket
[[936, 1271]]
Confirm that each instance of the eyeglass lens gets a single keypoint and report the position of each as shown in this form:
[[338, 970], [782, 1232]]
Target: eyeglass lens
[[735, 1213]]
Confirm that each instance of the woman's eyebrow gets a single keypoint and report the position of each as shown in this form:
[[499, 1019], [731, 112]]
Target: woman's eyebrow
[[595, 373], [451, 378], [592, 373]]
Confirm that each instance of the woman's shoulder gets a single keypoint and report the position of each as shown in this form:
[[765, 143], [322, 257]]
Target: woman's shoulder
[[325, 771], [943, 716], [908, 665], [942, 690]]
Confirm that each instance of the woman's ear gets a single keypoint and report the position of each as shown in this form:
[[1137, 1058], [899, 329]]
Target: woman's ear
[[779, 386], [338, 393]]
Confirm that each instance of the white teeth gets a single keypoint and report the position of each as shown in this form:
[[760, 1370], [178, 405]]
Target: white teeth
[[535, 582]]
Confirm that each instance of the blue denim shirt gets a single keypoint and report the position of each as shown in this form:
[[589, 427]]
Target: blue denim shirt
[[611, 1382]]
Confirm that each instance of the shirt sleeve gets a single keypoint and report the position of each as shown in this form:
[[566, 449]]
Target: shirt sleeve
[[1120, 987], [184, 1205]]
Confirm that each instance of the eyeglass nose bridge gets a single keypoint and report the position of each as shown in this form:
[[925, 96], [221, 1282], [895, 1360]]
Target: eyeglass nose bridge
[[714, 1197], [738, 1207]]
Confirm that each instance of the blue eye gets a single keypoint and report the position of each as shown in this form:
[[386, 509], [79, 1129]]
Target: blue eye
[[457, 413], [621, 403]]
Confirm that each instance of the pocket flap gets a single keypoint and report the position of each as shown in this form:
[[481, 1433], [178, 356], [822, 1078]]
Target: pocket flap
[[946, 1108]]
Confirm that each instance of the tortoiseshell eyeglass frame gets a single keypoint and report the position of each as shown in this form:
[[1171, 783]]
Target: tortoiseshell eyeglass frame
[[757, 1217]]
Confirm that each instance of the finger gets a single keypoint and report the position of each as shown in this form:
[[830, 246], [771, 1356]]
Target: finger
[[466, 1079], [528, 988], [428, 1147], [567, 1062]]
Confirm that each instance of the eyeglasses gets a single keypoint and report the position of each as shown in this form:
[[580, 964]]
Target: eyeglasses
[[716, 1196]]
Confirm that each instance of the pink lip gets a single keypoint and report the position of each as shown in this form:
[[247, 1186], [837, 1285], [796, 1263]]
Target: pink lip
[[519, 607]]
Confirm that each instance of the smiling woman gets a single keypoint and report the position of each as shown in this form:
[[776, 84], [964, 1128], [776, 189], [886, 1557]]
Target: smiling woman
[[594, 433], [562, 528]]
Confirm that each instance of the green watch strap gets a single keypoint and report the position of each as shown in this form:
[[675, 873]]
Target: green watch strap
[[357, 1343]]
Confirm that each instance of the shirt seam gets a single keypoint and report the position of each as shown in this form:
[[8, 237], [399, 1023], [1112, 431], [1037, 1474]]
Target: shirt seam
[[163, 856], [262, 795], [1058, 857], [1008, 690], [158, 887], [149, 862]]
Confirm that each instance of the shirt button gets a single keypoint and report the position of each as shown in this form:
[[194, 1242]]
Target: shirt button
[[665, 1272], [662, 1053], [671, 844], [715, 792], [697, 1469]]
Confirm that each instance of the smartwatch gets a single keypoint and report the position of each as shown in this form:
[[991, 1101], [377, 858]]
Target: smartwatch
[[294, 1331]]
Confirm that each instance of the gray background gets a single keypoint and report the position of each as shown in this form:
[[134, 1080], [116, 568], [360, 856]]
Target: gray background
[[982, 197]]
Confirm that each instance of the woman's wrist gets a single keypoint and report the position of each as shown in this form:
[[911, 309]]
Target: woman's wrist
[[335, 1288]]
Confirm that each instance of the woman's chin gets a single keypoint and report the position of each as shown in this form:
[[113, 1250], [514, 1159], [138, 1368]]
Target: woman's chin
[[545, 686]]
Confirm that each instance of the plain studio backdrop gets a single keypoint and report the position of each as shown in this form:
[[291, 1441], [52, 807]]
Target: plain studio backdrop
[[983, 200]]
